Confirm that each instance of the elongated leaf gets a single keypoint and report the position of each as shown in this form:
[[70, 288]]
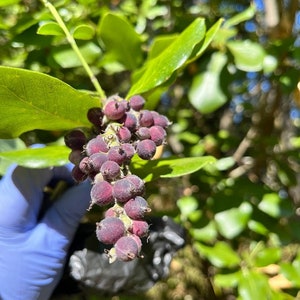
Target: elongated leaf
[[169, 167], [9, 145], [160, 69], [50, 28], [38, 157], [243, 16], [31, 100], [121, 40]]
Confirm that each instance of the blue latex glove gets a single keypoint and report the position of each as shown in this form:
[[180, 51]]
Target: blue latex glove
[[32, 251]]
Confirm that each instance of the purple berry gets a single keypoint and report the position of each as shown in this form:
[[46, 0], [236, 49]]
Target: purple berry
[[139, 184], [110, 170], [78, 175], [114, 109], [137, 102], [145, 149], [136, 208], [95, 116], [130, 121], [160, 120], [96, 145], [140, 228], [101, 193], [129, 151], [117, 154], [75, 157], [84, 165], [96, 161], [126, 248], [158, 134], [75, 139], [146, 118], [137, 240], [143, 133], [124, 134], [123, 190], [110, 230]]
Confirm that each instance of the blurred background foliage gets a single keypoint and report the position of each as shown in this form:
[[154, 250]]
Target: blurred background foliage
[[238, 102]]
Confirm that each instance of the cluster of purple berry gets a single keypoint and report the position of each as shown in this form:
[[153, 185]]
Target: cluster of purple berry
[[120, 130]]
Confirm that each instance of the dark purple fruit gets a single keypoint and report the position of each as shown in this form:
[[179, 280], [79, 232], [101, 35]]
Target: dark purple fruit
[[130, 121], [143, 133], [145, 149], [75, 139], [160, 120], [139, 184], [114, 109], [126, 248], [117, 154], [75, 157], [78, 175], [95, 116], [96, 161], [124, 134], [157, 134], [123, 190], [140, 228], [96, 145], [136, 208], [110, 170], [137, 102], [146, 118], [110, 230], [101, 193]]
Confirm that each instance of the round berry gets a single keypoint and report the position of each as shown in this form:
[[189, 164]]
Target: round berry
[[96, 145], [146, 118], [126, 248], [140, 228], [101, 193], [117, 154], [110, 170], [137, 102], [114, 109], [136, 208], [157, 134], [96, 161], [124, 134], [95, 116], [139, 184], [146, 149], [78, 175], [123, 190], [75, 139], [110, 230]]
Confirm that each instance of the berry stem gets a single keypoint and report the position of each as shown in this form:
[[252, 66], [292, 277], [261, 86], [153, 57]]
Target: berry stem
[[74, 46]]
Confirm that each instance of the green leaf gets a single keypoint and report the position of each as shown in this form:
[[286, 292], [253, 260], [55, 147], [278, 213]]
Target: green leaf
[[209, 37], [248, 56], [31, 100], [243, 16], [187, 205], [205, 234], [161, 68], [67, 58], [221, 255], [38, 157], [267, 256], [258, 227], [254, 285], [8, 2], [50, 28], [229, 280], [205, 93], [233, 221], [160, 43], [83, 32], [9, 145], [121, 40], [169, 167], [270, 204]]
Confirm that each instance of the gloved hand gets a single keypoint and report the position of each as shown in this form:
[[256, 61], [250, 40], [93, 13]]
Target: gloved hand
[[33, 250]]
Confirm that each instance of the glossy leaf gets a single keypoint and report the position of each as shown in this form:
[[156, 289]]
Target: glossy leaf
[[38, 157], [9, 145], [50, 28], [248, 56], [83, 32], [205, 93], [229, 280], [267, 256], [169, 167], [121, 41], [30, 100], [233, 221], [221, 255], [161, 68], [67, 58], [270, 204]]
